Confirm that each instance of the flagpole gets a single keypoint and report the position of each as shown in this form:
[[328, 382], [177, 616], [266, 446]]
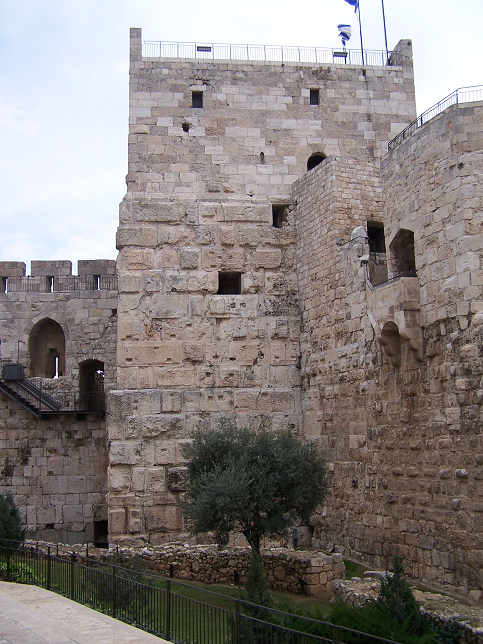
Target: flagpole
[[360, 29], [385, 34]]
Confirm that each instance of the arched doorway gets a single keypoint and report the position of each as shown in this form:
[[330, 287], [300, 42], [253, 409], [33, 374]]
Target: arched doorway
[[402, 261], [91, 386], [47, 349]]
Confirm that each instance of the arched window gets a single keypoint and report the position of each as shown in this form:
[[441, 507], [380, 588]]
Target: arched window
[[315, 159], [91, 386], [402, 261], [47, 349]]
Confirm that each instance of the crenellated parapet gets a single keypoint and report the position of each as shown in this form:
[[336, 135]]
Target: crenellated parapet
[[55, 276]]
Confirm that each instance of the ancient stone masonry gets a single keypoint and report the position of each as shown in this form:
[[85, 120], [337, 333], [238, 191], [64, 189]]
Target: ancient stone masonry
[[392, 373], [62, 329], [277, 267], [209, 310]]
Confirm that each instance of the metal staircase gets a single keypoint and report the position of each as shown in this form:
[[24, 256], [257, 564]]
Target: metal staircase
[[44, 396]]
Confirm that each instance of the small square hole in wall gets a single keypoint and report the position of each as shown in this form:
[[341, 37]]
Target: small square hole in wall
[[197, 99], [229, 283], [314, 97], [279, 215]]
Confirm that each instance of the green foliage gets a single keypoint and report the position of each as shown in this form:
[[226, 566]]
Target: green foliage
[[256, 587], [21, 574], [255, 483], [443, 632], [397, 599], [11, 532]]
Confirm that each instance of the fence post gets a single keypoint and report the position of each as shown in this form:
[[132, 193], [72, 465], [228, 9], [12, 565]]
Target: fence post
[[49, 569], [72, 560], [237, 621], [8, 560], [114, 591], [335, 633], [168, 609]]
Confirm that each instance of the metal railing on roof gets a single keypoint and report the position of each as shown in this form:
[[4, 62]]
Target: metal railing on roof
[[461, 95], [268, 53]]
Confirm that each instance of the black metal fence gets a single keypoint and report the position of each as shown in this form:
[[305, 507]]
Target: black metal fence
[[165, 607], [459, 96]]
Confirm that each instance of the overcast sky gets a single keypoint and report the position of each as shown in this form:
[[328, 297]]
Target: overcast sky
[[64, 93]]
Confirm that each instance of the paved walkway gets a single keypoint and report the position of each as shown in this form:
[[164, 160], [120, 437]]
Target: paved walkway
[[31, 615]]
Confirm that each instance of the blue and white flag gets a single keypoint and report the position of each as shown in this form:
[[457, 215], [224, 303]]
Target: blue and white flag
[[353, 3], [345, 32]]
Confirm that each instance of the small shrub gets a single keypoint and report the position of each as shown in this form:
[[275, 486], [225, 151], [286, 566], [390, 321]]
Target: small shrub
[[21, 574], [11, 532]]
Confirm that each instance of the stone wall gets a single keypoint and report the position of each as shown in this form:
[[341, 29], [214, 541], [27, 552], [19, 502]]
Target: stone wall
[[56, 465], [392, 374], [205, 189], [294, 571]]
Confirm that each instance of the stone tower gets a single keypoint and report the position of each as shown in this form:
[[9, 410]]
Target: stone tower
[[209, 307]]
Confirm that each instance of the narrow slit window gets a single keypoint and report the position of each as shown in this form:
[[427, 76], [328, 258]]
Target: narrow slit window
[[229, 283], [197, 99], [314, 97]]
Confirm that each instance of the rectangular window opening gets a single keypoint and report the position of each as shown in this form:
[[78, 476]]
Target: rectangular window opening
[[229, 283], [197, 99], [314, 97], [375, 235], [279, 215]]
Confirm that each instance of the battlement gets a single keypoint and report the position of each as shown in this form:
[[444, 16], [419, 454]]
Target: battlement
[[55, 276]]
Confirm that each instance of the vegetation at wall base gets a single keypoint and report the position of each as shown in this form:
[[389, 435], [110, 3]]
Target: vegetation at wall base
[[10, 522], [394, 616]]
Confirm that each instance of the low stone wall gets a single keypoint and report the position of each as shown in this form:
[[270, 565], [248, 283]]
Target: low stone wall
[[287, 570]]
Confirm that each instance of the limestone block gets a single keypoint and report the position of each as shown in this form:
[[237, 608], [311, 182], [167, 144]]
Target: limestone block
[[119, 478], [139, 353], [280, 284], [73, 514], [163, 518], [12, 269], [193, 352], [210, 211], [164, 452], [171, 401], [267, 258], [252, 282], [156, 211], [165, 377], [134, 520], [117, 520], [136, 259], [243, 352], [131, 235], [125, 453], [151, 426], [216, 400], [224, 259], [172, 305], [261, 214], [229, 377], [156, 479], [189, 258], [227, 236], [50, 268]]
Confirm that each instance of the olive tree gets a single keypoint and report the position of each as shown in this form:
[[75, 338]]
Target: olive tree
[[256, 483]]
